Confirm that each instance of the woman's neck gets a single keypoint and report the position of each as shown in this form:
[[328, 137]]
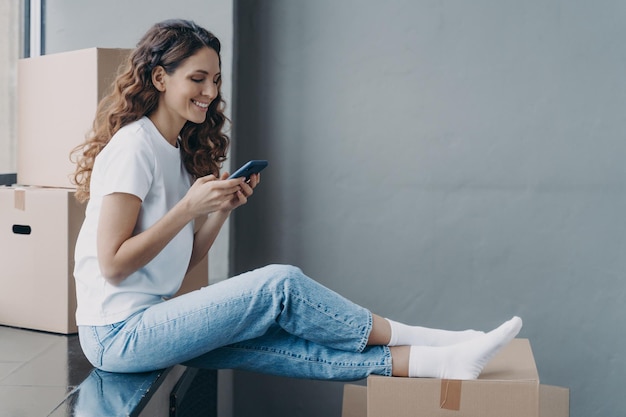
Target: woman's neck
[[167, 126]]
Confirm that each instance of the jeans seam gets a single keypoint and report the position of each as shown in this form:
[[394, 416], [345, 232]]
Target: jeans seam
[[312, 359], [100, 347], [364, 334], [388, 359]]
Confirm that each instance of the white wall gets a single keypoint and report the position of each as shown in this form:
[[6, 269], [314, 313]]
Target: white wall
[[10, 18]]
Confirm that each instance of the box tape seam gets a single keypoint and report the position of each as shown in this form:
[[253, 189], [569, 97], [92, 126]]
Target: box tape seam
[[19, 199], [450, 394]]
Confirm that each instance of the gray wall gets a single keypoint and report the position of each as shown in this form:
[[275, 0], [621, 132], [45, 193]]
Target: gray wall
[[444, 163]]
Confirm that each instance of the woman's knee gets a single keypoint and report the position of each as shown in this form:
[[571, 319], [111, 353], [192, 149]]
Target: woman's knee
[[282, 275], [283, 270]]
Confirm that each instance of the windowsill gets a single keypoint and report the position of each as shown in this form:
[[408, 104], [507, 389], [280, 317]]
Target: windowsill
[[8, 179]]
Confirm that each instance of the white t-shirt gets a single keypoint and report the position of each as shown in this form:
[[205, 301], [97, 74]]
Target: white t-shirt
[[138, 160]]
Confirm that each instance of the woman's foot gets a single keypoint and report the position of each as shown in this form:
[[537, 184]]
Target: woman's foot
[[464, 360], [405, 335]]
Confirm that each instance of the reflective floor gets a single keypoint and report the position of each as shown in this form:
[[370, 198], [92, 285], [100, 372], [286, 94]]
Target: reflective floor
[[47, 375], [37, 371]]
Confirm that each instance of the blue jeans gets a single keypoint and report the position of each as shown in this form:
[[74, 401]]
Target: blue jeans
[[272, 320]]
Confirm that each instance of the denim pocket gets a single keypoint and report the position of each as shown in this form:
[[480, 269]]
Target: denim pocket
[[94, 340], [90, 344]]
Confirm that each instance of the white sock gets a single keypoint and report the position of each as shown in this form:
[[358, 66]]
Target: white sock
[[405, 335], [462, 361]]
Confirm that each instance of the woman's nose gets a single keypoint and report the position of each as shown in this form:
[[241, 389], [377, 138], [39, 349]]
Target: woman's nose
[[210, 90]]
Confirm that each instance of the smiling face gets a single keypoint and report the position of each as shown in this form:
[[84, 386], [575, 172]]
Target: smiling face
[[186, 93]]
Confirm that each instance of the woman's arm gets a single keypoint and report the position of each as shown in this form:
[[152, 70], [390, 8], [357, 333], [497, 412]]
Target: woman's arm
[[120, 253], [206, 235]]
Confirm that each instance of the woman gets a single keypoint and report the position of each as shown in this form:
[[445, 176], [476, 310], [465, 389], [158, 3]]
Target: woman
[[149, 168]]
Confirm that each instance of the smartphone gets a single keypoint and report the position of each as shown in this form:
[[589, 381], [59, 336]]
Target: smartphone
[[251, 167]]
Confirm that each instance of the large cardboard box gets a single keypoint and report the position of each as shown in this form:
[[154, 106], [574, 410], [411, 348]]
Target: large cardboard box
[[57, 97], [508, 387], [38, 231], [553, 402]]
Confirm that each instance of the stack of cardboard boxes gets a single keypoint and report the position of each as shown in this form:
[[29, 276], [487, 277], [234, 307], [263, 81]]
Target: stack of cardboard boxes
[[508, 387], [39, 220]]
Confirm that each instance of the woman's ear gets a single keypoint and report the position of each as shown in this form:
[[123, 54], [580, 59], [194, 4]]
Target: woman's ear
[[158, 78]]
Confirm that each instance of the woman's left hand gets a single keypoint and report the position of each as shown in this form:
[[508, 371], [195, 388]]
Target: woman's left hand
[[246, 189]]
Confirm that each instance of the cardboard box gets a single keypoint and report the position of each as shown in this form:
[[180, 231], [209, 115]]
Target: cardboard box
[[553, 401], [354, 401], [508, 387], [38, 231], [57, 97]]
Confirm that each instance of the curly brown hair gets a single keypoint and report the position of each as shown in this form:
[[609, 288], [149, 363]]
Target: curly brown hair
[[167, 44]]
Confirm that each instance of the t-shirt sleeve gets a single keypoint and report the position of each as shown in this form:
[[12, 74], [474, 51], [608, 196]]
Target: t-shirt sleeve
[[128, 167]]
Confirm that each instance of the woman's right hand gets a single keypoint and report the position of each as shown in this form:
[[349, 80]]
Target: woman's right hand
[[209, 194]]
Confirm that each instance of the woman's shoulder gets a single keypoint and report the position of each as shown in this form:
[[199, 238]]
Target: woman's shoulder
[[131, 142], [136, 129], [134, 135]]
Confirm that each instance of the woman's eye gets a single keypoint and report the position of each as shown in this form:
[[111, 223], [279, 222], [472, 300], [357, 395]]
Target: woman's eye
[[197, 80]]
